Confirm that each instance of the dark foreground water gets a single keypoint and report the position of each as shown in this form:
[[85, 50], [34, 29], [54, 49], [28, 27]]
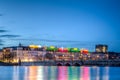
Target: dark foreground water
[[58, 73]]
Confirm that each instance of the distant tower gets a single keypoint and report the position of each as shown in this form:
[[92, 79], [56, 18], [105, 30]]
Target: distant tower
[[101, 48], [19, 51], [20, 45]]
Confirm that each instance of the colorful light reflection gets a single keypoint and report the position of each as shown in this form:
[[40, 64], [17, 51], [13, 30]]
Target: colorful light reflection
[[85, 71]]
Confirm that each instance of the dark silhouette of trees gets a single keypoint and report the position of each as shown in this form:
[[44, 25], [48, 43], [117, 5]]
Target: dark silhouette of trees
[[8, 56], [49, 56]]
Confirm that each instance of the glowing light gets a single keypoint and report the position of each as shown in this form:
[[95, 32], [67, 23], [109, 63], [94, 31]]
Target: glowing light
[[15, 60], [39, 46], [26, 60], [75, 48], [97, 56], [34, 46], [85, 51], [60, 49], [52, 47], [65, 50], [31, 60]]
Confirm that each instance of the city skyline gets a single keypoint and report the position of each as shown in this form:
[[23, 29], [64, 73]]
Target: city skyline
[[88, 22]]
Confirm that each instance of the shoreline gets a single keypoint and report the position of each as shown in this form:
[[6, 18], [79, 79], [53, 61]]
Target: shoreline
[[102, 63]]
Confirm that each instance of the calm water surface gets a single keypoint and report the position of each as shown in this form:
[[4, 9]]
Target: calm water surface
[[58, 73]]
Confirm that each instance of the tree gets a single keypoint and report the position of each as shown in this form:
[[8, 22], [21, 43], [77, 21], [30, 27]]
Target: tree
[[49, 56], [9, 56]]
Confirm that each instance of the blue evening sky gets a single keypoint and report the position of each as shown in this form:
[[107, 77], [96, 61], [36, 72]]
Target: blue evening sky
[[85, 22]]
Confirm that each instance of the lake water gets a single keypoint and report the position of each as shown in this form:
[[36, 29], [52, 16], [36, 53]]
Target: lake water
[[58, 73]]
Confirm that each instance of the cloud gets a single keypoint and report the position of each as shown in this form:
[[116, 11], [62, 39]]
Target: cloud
[[1, 40], [2, 31], [48, 40], [9, 36], [1, 44]]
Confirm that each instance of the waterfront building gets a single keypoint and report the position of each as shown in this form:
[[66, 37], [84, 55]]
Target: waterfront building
[[24, 53], [51, 53], [101, 48], [114, 55], [1, 54]]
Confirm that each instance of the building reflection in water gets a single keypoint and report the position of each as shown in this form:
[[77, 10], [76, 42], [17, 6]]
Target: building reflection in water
[[40, 73], [85, 73], [16, 73], [73, 73], [50, 73], [95, 73], [33, 73], [106, 73], [45, 72], [99, 73], [76, 70], [53, 74], [26, 73], [60, 73]]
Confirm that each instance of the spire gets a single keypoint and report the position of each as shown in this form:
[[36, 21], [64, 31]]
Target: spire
[[20, 45]]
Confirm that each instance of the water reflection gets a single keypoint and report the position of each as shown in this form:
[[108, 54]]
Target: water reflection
[[33, 73], [73, 73], [40, 73], [15, 73], [58, 73], [50, 73], [85, 73], [106, 73], [26, 73], [95, 73]]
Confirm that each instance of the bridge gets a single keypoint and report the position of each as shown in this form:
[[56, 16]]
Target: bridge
[[73, 63]]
